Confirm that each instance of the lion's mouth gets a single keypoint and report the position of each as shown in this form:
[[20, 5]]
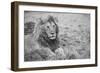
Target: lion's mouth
[[52, 37]]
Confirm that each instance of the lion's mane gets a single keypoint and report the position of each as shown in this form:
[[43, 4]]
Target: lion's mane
[[41, 37]]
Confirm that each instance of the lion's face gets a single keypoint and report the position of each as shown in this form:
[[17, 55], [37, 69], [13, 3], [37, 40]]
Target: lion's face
[[50, 29]]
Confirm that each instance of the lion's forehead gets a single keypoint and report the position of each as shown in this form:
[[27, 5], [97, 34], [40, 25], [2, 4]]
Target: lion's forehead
[[50, 24]]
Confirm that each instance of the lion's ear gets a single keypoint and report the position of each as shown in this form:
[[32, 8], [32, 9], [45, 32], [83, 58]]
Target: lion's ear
[[56, 20], [40, 21]]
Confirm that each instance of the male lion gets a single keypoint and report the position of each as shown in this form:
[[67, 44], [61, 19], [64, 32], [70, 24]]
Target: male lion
[[45, 41]]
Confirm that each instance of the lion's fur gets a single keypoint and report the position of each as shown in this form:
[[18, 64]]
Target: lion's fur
[[41, 37], [42, 48]]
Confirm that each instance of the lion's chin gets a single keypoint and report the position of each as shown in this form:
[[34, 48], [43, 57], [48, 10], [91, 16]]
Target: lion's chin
[[52, 38]]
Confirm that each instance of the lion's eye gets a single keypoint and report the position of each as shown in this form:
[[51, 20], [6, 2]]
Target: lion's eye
[[47, 26]]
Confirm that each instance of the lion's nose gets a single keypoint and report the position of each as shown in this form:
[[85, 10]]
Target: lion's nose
[[52, 33]]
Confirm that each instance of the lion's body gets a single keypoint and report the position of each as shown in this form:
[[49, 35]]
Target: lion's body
[[44, 40]]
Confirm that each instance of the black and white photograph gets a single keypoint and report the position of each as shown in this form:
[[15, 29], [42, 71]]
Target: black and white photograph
[[53, 36], [56, 36]]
